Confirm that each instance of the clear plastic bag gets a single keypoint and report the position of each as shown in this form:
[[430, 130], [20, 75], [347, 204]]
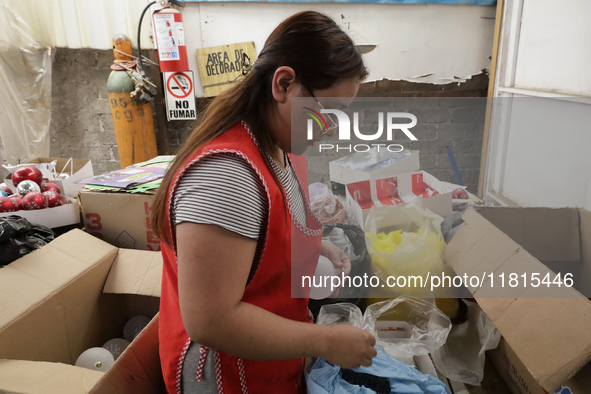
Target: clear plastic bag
[[340, 240], [328, 209], [405, 241], [462, 357], [427, 327]]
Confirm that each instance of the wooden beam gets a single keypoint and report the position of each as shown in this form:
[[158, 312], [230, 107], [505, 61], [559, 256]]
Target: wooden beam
[[490, 96]]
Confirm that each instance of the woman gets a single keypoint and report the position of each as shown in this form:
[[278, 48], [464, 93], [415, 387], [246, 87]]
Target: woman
[[229, 211]]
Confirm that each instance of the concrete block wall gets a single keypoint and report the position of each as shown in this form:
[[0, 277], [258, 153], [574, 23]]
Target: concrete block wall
[[82, 125], [81, 121], [441, 122]]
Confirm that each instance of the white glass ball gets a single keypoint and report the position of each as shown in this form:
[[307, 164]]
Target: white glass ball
[[116, 346], [134, 326], [96, 358]]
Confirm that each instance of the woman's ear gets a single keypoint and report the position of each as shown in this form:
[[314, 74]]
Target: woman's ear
[[284, 80]]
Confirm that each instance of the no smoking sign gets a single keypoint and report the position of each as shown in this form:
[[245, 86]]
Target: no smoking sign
[[180, 97]]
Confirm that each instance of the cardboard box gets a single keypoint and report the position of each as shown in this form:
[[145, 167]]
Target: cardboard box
[[398, 190], [355, 167], [75, 293], [546, 333], [76, 169], [64, 215], [119, 218]]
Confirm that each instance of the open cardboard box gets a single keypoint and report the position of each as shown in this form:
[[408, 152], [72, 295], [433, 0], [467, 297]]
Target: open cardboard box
[[77, 169], [398, 190], [120, 218], [66, 214], [546, 342], [341, 170], [75, 293]]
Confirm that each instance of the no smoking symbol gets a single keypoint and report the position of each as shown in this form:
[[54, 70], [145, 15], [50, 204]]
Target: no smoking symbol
[[179, 85]]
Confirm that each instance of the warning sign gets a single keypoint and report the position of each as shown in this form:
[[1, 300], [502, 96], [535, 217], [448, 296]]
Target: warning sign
[[180, 98]]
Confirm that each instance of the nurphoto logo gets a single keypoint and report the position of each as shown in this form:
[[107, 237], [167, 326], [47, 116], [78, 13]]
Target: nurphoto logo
[[344, 129]]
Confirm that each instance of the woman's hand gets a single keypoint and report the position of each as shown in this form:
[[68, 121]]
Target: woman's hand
[[338, 258], [350, 347]]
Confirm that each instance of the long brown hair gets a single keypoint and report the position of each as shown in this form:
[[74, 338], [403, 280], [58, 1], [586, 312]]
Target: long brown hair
[[319, 52]]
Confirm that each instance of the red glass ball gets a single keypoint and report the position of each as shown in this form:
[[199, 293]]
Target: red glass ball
[[18, 202], [34, 201], [7, 205], [50, 186], [27, 173], [53, 198]]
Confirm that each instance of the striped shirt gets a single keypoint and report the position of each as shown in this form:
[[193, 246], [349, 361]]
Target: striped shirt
[[224, 190]]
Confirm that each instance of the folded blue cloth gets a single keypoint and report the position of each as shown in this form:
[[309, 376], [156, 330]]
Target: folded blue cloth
[[325, 378]]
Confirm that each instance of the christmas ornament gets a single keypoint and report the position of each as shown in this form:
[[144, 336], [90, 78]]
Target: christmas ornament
[[34, 201], [26, 187], [96, 358], [460, 194], [7, 205], [50, 186], [134, 326], [53, 198], [116, 346], [5, 189], [18, 202], [27, 173]]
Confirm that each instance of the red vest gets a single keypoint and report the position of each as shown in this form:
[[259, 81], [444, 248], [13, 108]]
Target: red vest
[[270, 287]]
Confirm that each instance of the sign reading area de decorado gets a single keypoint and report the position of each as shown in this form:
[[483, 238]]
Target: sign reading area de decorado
[[180, 96], [221, 66]]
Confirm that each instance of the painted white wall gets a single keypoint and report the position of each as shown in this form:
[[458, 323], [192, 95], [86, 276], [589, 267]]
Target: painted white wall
[[540, 140], [429, 43], [554, 52], [547, 162]]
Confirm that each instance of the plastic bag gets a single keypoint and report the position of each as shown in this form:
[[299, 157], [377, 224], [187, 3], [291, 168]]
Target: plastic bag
[[318, 189], [427, 327], [19, 237], [325, 378], [405, 241], [328, 209], [340, 240], [351, 240], [462, 357]]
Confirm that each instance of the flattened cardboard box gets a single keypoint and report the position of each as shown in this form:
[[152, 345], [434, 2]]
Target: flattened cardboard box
[[75, 293], [546, 341], [121, 219]]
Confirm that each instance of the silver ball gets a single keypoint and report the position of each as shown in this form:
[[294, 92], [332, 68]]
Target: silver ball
[[25, 187]]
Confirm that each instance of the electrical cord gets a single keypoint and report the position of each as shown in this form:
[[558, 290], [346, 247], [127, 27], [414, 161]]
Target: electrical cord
[[139, 37]]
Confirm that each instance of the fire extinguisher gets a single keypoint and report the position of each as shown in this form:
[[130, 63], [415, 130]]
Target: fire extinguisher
[[170, 38], [129, 96]]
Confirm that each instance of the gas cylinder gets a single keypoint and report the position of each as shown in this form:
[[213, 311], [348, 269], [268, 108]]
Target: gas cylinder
[[132, 116]]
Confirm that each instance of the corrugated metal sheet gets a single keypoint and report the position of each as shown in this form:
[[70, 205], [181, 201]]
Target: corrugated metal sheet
[[77, 23]]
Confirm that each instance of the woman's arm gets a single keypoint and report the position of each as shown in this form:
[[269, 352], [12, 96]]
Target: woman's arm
[[214, 265]]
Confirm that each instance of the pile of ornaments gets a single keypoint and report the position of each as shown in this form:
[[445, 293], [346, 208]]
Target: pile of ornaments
[[32, 192], [101, 358]]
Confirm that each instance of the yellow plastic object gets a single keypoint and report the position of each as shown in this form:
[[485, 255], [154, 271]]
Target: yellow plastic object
[[405, 245]]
